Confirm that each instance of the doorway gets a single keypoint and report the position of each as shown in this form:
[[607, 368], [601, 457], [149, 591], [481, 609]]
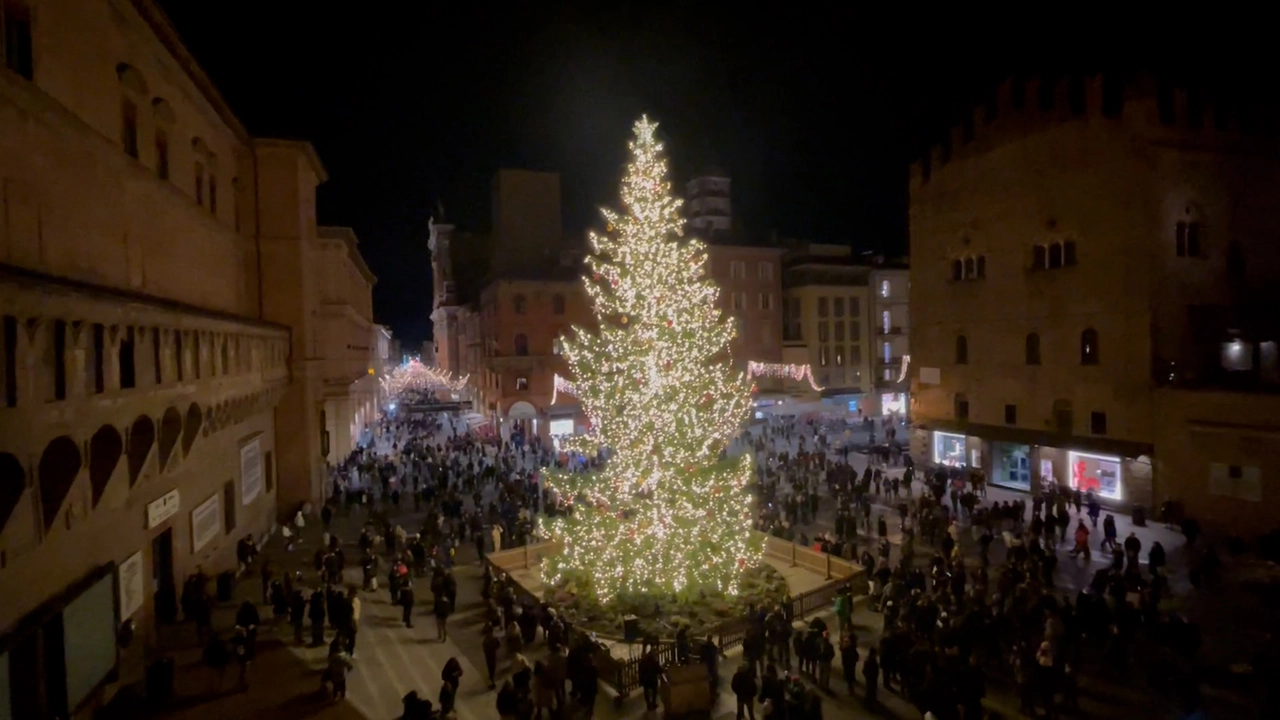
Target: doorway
[[166, 595]]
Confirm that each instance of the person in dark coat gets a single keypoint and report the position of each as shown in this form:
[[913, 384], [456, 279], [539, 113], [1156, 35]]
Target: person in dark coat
[[317, 615], [297, 614], [590, 687], [871, 674], [849, 659], [744, 689], [650, 674], [406, 602], [441, 609]]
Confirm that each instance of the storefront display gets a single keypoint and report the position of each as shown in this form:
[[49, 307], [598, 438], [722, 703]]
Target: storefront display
[[1013, 466], [949, 449], [1098, 473], [893, 403]]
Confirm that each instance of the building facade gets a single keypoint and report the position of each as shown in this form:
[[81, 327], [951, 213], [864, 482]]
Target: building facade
[[708, 204], [890, 319], [750, 282], [148, 356], [1089, 261]]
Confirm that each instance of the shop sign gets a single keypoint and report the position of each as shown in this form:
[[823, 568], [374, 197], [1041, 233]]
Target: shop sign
[[162, 509]]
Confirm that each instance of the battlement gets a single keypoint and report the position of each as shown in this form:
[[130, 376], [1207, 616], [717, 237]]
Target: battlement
[[1138, 103]]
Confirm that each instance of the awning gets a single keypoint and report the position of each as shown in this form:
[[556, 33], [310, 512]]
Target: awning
[[1024, 436]]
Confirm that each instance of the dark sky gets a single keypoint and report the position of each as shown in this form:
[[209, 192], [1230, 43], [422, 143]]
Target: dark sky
[[407, 109]]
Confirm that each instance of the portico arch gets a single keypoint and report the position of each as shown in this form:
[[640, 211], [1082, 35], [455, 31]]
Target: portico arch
[[13, 480], [59, 465]]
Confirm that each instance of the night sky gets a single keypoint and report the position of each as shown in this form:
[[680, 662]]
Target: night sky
[[409, 110]]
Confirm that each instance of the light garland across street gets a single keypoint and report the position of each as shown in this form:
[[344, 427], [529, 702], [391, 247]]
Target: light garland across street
[[797, 373]]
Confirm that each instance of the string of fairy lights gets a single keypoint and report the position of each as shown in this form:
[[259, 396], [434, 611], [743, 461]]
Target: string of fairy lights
[[666, 514], [414, 376]]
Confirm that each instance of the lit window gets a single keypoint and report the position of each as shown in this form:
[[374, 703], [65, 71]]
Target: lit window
[[522, 383], [884, 288], [557, 346], [886, 352], [884, 320]]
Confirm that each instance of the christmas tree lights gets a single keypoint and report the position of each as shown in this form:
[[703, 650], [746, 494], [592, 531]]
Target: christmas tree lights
[[666, 514]]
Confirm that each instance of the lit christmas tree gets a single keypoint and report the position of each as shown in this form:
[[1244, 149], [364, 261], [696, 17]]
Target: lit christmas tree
[[665, 515]]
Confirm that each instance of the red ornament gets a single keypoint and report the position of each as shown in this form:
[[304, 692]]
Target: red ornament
[[742, 563], [706, 399], [669, 323], [614, 282], [595, 276]]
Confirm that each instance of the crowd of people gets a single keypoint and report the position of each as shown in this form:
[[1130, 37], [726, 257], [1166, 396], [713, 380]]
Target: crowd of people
[[422, 489]]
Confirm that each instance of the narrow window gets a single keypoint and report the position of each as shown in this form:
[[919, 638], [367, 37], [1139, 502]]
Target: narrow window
[[15, 16], [269, 470], [195, 353], [162, 154], [1033, 349], [177, 353], [1048, 86], [1010, 414], [60, 360], [1089, 347], [1069, 253], [1098, 423], [1055, 256], [962, 350], [99, 358], [155, 355], [957, 270], [970, 268], [129, 127], [10, 361], [961, 407], [1180, 239], [213, 194], [1112, 95], [981, 266], [199, 173], [522, 344], [226, 358], [1039, 257], [1076, 95], [522, 383], [229, 506], [126, 361], [1193, 239], [1164, 103]]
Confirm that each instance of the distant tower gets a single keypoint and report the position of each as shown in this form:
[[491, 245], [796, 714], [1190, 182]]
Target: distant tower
[[442, 263], [709, 209]]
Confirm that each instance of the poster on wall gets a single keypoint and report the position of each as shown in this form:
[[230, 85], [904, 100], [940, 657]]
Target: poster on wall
[[250, 472], [206, 522], [1046, 471], [131, 587], [1097, 473]]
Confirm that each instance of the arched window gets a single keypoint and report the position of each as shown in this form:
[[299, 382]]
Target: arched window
[[1055, 256], [134, 91], [1089, 347], [557, 304], [1033, 348], [522, 344], [518, 304], [962, 350], [557, 346], [957, 270], [970, 267]]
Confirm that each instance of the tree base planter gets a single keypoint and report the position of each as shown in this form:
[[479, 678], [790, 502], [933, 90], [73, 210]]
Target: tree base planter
[[803, 581]]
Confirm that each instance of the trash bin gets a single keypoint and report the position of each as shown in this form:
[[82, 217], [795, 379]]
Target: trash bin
[[1139, 515], [226, 584], [160, 680]]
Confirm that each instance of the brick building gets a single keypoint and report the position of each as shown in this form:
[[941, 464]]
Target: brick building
[[1090, 256]]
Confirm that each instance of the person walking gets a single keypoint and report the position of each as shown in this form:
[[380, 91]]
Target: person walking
[[406, 603], [744, 689], [490, 646], [441, 609], [317, 613]]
